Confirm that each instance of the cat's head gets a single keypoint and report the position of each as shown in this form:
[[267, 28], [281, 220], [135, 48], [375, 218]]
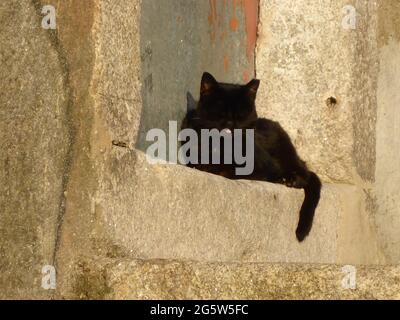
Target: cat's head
[[227, 106]]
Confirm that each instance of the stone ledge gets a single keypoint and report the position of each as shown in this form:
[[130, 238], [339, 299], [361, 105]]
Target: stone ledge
[[166, 279], [173, 212]]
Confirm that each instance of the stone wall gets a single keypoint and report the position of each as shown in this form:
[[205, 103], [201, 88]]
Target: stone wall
[[386, 198], [35, 135], [304, 57], [76, 189]]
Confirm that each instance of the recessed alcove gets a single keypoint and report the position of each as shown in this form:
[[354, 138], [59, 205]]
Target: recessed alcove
[[78, 192], [177, 44]]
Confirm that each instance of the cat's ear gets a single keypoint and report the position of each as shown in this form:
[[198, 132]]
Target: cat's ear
[[191, 102], [208, 84], [252, 88]]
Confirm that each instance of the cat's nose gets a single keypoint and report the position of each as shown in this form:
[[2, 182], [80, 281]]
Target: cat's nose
[[229, 124]]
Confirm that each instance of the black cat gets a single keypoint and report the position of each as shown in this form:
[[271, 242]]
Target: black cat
[[228, 107]]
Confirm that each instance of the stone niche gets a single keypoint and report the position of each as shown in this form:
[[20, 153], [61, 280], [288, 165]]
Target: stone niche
[[78, 193]]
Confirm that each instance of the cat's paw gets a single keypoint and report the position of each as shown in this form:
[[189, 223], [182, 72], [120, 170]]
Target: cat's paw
[[289, 182]]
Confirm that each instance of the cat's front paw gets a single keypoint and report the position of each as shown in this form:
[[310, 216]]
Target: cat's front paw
[[288, 182]]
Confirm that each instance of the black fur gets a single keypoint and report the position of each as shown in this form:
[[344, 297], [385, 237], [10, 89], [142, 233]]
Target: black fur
[[229, 106]]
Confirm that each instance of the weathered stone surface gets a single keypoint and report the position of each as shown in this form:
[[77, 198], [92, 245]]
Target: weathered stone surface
[[386, 196], [166, 279], [73, 187], [208, 218], [304, 57], [34, 134], [110, 116], [142, 211]]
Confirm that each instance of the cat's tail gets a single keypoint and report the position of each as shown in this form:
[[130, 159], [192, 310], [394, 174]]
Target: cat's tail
[[312, 194]]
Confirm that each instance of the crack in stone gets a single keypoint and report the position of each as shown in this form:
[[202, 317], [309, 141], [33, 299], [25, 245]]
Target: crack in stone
[[64, 66]]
